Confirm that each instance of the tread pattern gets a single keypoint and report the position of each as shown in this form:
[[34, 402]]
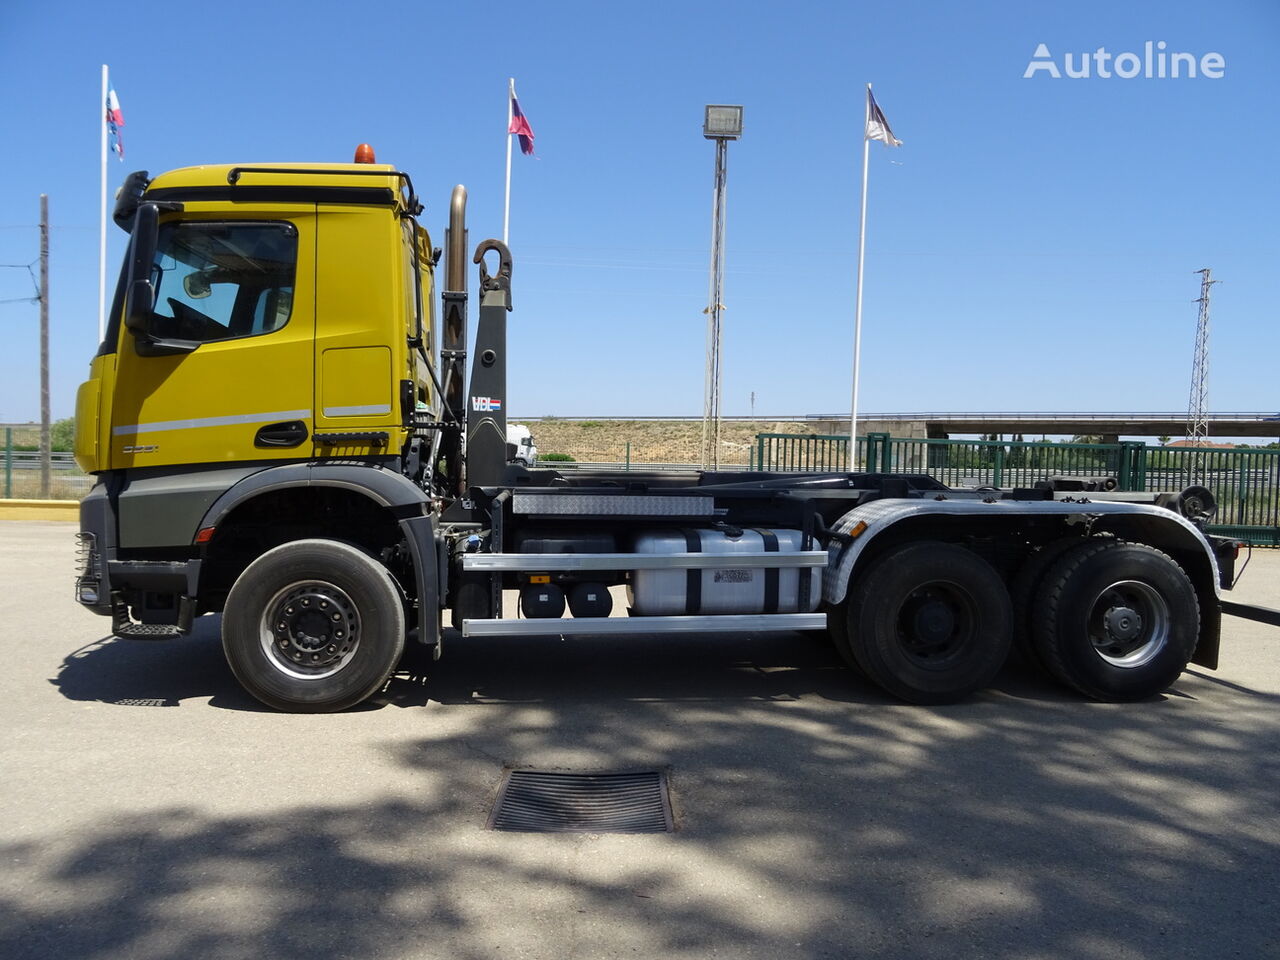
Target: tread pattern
[[1023, 590], [1050, 601], [881, 592], [355, 683]]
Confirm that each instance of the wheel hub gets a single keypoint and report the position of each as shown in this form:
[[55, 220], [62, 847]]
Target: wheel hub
[[314, 626], [1129, 623], [1123, 623], [934, 622]]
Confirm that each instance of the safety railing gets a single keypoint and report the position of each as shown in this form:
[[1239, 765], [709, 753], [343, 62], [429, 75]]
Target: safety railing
[[21, 476], [1245, 481]]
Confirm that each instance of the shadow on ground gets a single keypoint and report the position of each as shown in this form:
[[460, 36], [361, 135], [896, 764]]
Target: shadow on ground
[[534, 669], [816, 820]]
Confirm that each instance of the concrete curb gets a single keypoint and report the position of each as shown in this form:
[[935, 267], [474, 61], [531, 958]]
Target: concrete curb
[[40, 510]]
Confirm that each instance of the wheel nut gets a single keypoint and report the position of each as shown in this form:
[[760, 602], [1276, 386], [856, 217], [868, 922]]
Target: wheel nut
[[336, 617], [288, 611], [324, 604], [306, 602], [337, 633]]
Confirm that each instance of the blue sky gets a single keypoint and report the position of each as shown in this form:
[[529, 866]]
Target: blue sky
[[1031, 246]]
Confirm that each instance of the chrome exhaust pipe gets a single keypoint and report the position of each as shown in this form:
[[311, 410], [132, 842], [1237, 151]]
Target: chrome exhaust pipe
[[456, 268]]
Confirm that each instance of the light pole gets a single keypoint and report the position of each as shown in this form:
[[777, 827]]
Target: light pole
[[721, 123]]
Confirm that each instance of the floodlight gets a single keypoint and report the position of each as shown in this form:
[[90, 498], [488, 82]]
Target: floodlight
[[722, 122]]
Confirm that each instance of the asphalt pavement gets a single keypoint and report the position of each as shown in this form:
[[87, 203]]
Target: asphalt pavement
[[156, 811]]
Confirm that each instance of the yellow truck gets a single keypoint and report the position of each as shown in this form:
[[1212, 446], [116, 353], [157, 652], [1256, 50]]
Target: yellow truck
[[283, 431]]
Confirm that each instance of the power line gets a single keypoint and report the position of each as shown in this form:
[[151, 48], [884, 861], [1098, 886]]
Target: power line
[[35, 283]]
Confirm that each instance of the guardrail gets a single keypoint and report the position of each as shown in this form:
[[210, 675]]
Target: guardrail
[[22, 479]]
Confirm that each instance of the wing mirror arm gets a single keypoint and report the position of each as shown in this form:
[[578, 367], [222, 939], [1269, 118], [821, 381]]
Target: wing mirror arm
[[140, 296]]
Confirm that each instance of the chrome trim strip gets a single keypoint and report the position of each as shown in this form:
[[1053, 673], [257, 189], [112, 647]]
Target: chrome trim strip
[[161, 426], [642, 561], [367, 410], [610, 626]]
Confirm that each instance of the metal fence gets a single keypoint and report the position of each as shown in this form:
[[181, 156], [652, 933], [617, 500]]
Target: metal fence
[[21, 476], [1244, 481]]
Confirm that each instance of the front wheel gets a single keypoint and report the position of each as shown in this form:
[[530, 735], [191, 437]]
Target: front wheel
[[929, 622], [313, 626], [1116, 621]]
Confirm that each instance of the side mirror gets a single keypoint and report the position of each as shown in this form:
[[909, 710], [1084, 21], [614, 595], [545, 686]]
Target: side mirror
[[128, 197], [141, 295], [197, 284]]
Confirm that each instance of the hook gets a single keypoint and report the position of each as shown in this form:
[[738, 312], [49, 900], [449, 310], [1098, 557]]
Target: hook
[[502, 281]]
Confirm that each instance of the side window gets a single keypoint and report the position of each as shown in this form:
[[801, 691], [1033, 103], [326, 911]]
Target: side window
[[220, 281]]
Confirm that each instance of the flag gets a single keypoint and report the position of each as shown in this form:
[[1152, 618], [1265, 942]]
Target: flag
[[115, 120], [519, 125], [877, 125]]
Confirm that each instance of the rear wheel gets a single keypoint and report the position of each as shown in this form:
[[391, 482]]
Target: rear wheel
[[929, 622], [313, 626], [1023, 592], [1116, 621], [838, 632]]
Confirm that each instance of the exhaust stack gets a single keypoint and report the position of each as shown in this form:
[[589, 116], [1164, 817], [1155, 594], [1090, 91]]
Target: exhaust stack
[[453, 347]]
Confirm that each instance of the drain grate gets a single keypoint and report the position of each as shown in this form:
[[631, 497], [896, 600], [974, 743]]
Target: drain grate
[[534, 801]]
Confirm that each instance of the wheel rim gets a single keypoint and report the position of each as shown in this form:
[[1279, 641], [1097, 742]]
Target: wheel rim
[[1129, 623], [310, 630], [936, 624]]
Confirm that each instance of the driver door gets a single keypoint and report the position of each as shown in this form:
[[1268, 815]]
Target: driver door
[[244, 291]]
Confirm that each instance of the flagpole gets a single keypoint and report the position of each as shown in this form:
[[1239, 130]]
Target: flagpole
[[506, 207], [857, 312], [102, 224]]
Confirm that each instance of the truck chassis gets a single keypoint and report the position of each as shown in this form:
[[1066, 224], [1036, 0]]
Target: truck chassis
[[324, 567]]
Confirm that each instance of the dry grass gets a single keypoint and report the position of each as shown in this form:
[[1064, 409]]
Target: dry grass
[[64, 485], [663, 441], [24, 434]]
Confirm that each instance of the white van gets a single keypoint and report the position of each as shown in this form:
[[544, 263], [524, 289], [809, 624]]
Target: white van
[[518, 436]]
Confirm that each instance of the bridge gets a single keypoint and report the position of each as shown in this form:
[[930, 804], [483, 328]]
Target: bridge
[[1109, 425], [938, 424]]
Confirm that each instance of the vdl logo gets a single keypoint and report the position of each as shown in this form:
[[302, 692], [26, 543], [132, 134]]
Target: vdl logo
[[486, 404], [1154, 63]]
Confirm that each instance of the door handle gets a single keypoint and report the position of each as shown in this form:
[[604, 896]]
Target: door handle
[[291, 433]]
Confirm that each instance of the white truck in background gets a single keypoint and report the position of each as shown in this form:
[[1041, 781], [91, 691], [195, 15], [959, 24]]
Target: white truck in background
[[526, 452]]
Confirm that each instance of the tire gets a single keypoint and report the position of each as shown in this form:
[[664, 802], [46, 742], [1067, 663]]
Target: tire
[[838, 632], [1116, 621], [313, 626], [930, 622], [1023, 590]]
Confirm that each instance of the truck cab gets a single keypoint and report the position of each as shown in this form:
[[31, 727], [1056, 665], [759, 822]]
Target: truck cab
[[526, 452], [285, 308]]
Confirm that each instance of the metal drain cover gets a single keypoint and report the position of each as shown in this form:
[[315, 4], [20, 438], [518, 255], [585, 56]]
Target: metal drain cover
[[534, 801]]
